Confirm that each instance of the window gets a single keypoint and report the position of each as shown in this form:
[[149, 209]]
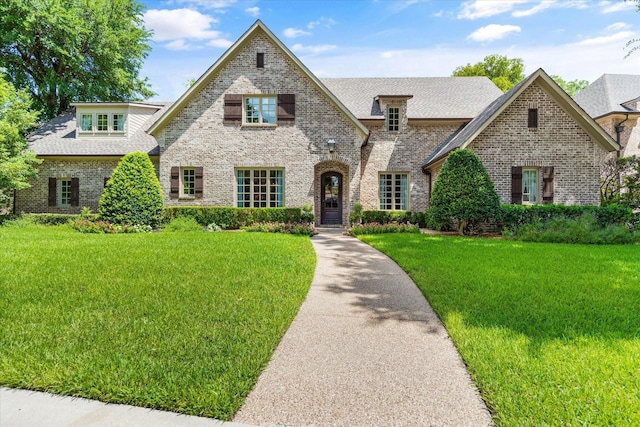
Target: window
[[260, 60], [260, 188], [64, 192], [260, 110], [393, 119], [529, 186], [87, 122], [394, 191], [188, 181], [118, 123], [533, 118], [103, 122]]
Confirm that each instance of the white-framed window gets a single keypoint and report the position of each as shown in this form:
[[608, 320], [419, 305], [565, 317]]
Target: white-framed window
[[117, 123], [86, 122], [260, 110], [188, 181], [260, 188], [103, 123], [64, 192], [393, 119], [530, 186], [394, 191]]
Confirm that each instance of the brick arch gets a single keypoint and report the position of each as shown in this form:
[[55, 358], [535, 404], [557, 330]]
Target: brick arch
[[331, 166]]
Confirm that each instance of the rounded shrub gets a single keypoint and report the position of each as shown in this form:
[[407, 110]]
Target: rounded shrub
[[133, 194], [463, 195]]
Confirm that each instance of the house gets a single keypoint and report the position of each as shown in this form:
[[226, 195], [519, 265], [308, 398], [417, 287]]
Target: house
[[258, 129], [614, 102]]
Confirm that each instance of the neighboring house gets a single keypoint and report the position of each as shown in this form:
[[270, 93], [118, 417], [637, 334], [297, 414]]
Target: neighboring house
[[258, 129], [614, 102]]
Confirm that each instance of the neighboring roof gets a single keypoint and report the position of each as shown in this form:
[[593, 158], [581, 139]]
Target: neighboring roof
[[609, 93], [258, 26], [464, 137], [58, 138], [150, 105], [433, 97]]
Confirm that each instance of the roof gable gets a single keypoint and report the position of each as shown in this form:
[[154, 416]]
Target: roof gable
[[610, 94], [463, 138], [257, 27]]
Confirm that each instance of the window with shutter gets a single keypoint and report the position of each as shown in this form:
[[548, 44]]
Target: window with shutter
[[232, 109], [53, 183], [199, 183], [75, 192], [175, 181], [516, 185], [286, 109], [533, 118], [260, 60], [547, 185]]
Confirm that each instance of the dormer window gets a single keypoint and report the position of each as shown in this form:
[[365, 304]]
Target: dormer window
[[118, 123], [86, 123], [393, 119], [101, 123], [395, 106]]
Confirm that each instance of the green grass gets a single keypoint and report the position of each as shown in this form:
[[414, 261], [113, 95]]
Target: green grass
[[550, 332], [175, 321]]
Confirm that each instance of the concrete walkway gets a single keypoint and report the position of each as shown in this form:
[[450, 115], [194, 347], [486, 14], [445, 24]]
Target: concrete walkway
[[365, 349]]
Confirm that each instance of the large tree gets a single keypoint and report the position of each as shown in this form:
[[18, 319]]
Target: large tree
[[17, 164], [571, 87], [504, 72], [74, 50]]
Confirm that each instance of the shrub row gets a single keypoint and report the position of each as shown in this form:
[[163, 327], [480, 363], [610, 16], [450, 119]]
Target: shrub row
[[232, 218], [385, 217], [377, 228], [514, 216]]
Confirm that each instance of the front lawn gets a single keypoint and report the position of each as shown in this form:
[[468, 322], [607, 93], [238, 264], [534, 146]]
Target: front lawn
[[550, 332], [182, 322]]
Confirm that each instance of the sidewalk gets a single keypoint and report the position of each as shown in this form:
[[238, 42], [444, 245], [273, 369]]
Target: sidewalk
[[365, 349]]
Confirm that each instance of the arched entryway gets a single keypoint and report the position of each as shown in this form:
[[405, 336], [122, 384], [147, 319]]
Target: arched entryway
[[331, 198]]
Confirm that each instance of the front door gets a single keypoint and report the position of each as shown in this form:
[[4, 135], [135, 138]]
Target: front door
[[331, 198]]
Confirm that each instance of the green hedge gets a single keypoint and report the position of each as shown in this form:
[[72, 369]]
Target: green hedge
[[231, 218], [514, 216], [385, 217]]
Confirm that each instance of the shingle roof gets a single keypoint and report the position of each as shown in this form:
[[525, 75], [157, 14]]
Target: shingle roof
[[607, 94], [433, 97], [58, 138]]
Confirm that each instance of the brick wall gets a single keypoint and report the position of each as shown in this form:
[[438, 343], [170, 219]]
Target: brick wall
[[91, 173], [196, 136], [558, 141]]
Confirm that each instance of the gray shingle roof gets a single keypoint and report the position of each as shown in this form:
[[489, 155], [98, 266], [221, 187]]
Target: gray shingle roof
[[433, 97], [607, 94], [58, 138]]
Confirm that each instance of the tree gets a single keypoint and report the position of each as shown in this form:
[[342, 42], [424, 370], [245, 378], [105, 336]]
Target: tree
[[74, 50], [571, 87], [620, 181], [633, 44], [133, 195], [463, 193], [503, 72], [17, 163]]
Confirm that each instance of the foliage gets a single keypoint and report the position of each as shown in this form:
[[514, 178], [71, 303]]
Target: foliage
[[74, 50], [230, 217], [502, 71], [17, 163], [132, 195], [633, 44], [355, 216], [463, 194], [377, 228], [49, 218], [571, 87], [181, 322], [307, 214], [620, 181], [105, 227], [584, 230], [182, 224], [515, 216], [281, 227], [385, 217], [548, 332]]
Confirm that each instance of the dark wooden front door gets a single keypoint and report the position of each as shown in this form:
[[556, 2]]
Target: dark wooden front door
[[331, 198]]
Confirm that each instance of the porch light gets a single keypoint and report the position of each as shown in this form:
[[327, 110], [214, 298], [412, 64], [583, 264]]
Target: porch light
[[332, 145]]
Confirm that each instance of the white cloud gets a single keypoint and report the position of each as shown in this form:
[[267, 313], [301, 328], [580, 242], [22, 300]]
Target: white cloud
[[543, 5], [619, 6], [179, 44], [312, 49], [223, 43], [253, 11], [325, 22], [292, 33], [617, 26], [207, 4], [493, 32], [607, 40], [485, 8], [179, 24]]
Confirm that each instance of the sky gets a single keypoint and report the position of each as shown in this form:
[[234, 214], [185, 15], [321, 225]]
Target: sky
[[575, 39]]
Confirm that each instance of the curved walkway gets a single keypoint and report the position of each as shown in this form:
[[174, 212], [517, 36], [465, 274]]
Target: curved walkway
[[365, 349]]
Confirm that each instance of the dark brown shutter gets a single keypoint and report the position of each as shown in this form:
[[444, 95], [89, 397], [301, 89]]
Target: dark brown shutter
[[75, 191], [286, 109], [547, 185], [533, 118], [260, 60], [232, 109], [175, 181], [516, 185], [198, 182], [53, 182]]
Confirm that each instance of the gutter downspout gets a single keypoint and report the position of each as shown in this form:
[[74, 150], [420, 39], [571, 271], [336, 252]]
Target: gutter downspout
[[619, 129]]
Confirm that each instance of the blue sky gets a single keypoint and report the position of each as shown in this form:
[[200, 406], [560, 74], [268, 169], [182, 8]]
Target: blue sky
[[576, 39]]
